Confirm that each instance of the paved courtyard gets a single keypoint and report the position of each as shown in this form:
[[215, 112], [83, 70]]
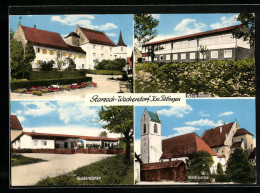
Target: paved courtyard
[[57, 164], [104, 85]]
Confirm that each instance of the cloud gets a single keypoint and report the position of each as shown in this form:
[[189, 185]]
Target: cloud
[[177, 111], [76, 111], [189, 26], [204, 114], [82, 20], [111, 34], [21, 118], [38, 108], [204, 122], [184, 130], [226, 114], [232, 20], [156, 16]]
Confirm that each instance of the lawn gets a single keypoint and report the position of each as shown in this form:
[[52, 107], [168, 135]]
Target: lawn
[[109, 171], [17, 160]]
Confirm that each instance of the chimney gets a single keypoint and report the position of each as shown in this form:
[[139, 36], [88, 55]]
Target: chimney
[[34, 26], [220, 129]]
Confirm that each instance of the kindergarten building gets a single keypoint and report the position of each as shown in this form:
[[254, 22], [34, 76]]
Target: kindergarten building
[[219, 44], [85, 46]]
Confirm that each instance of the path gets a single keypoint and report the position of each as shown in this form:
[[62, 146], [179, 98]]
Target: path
[[104, 85], [57, 164]]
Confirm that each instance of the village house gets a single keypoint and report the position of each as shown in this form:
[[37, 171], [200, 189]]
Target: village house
[[85, 46], [15, 127], [219, 43]]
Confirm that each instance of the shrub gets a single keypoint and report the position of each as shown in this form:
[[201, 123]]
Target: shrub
[[48, 82], [36, 92], [103, 72], [36, 75], [117, 64], [220, 177], [47, 66], [217, 78]]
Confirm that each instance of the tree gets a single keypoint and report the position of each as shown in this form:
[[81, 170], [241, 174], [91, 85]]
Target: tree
[[103, 134], [219, 168], [203, 50], [239, 168], [72, 65], [144, 25], [247, 29], [119, 120], [47, 66], [200, 164]]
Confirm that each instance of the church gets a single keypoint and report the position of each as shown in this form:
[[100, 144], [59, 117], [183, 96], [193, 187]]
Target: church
[[85, 46], [168, 159]]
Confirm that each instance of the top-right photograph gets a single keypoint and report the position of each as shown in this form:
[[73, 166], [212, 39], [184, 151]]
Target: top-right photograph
[[202, 55]]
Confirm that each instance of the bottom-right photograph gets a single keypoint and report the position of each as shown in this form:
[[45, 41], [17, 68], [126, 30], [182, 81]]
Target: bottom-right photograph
[[209, 141]]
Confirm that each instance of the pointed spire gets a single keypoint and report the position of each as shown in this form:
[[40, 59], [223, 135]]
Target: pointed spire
[[20, 19], [120, 41]]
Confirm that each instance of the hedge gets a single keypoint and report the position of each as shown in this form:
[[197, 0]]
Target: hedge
[[221, 177], [223, 78], [48, 82], [104, 72], [39, 75]]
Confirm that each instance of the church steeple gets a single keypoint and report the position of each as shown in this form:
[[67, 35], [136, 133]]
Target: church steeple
[[120, 41]]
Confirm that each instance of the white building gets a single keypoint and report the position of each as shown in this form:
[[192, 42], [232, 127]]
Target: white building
[[220, 45], [32, 140]]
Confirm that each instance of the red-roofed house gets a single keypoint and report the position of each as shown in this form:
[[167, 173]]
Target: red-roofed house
[[220, 45], [50, 46], [15, 127], [33, 140]]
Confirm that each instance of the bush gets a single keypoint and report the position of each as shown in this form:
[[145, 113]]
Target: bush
[[36, 92], [117, 64], [47, 66], [103, 72], [30, 83], [220, 177], [36, 75], [223, 78]]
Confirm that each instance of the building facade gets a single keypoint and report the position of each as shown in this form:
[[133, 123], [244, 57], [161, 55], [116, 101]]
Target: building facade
[[219, 45]]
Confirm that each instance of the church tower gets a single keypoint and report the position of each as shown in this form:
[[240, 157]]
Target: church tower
[[121, 48], [151, 141]]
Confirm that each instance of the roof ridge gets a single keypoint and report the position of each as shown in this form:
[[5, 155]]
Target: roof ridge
[[40, 29], [91, 30]]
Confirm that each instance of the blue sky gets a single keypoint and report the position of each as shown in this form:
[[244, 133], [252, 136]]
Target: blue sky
[[173, 25], [61, 117], [199, 115], [111, 24]]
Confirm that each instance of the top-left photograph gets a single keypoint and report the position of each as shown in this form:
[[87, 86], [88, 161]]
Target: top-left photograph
[[63, 56]]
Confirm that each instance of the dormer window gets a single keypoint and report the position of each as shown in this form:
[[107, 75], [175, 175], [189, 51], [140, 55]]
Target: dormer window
[[155, 128]]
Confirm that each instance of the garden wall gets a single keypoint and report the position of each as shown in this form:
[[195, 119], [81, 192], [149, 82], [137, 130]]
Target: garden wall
[[70, 151], [226, 78]]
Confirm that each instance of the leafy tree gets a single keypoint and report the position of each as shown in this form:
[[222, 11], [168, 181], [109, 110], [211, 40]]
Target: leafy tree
[[103, 134], [220, 168], [72, 65], [247, 29], [144, 25], [239, 168], [203, 50], [117, 64], [201, 162], [47, 66], [119, 120]]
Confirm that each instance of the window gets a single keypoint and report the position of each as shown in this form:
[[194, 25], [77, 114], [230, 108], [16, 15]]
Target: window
[[143, 59], [161, 57], [155, 128], [144, 128], [44, 143], [83, 66], [38, 50], [214, 54], [102, 55], [35, 142], [51, 52], [58, 53], [110, 48], [155, 58], [192, 56], [175, 56], [168, 57], [227, 53], [79, 55], [64, 53], [217, 150], [122, 49], [94, 46], [94, 55], [84, 56], [75, 55], [64, 63], [183, 56], [44, 51], [39, 62], [70, 54], [102, 47]]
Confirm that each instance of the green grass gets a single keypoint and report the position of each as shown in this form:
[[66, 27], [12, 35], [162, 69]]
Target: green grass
[[112, 170], [17, 160]]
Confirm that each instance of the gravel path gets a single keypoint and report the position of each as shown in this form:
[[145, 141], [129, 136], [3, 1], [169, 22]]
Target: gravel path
[[104, 85], [57, 164]]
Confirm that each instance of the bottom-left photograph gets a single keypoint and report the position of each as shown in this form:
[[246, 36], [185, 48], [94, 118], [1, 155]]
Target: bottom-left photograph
[[62, 143]]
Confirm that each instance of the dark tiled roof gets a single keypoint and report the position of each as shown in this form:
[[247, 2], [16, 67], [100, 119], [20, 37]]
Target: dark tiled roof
[[48, 39], [236, 144], [184, 146], [153, 116], [197, 34], [214, 138], [242, 132], [69, 136], [15, 123], [221, 156], [161, 165], [120, 41], [97, 37], [73, 34], [130, 63]]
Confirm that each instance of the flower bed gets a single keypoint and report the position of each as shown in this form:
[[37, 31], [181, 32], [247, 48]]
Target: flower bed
[[39, 90]]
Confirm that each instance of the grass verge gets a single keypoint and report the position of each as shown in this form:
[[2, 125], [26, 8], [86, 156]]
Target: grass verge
[[17, 160], [109, 171]]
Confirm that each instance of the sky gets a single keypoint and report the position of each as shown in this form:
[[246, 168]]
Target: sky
[[199, 115], [174, 25], [59, 117], [111, 24]]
